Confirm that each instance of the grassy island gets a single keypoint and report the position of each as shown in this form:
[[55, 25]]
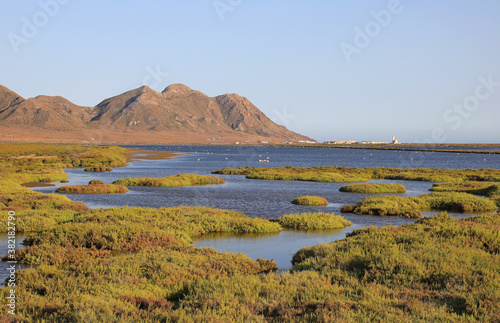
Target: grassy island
[[94, 168], [412, 206], [373, 188], [310, 201], [313, 221], [172, 181], [132, 228], [93, 189], [353, 174], [491, 190], [476, 188]]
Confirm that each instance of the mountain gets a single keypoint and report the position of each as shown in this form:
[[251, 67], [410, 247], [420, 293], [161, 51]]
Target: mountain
[[8, 98], [178, 114]]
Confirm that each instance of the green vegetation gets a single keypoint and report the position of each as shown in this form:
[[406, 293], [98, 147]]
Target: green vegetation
[[93, 189], [172, 181], [44, 163], [373, 188], [477, 188], [289, 173], [437, 269], [412, 206], [310, 201], [353, 174], [36, 220], [132, 228], [313, 221], [136, 264], [95, 168]]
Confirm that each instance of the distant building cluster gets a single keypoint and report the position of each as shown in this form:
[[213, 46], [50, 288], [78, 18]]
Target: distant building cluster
[[341, 142], [301, 142], [352, 142]]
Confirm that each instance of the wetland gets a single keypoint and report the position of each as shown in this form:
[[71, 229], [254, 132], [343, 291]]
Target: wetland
[[187, 253]]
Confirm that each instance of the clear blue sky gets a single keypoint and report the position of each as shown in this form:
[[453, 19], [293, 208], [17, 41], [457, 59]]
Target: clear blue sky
[[287, 57]]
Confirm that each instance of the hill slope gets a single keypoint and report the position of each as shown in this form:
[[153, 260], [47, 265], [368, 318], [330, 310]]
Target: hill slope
[[176, 115]]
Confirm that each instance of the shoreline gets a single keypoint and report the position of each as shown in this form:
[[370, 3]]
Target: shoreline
[[139, 154], [150, 154]]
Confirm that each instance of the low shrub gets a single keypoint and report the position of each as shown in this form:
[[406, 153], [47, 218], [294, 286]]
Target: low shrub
[[347, 208], [131, 228], [94, 168], [412, 206], [477, 188], [93, 189], [172, 181], [310, 201], [455, 261], [313, 221], [370, 188], [340, 174]]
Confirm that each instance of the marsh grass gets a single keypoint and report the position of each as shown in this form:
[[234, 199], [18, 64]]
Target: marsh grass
[[172, 181], [44, 163], [455, 261], [313, 221], [491, 190], [310, 201], [95, 168], [371, 188], [93, 189], [438, 269], [131, 228], [476, 188], [353, 174], [412, 206]]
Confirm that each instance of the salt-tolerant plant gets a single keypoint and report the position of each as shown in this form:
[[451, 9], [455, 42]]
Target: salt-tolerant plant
[[172, 181], [313, 221], [371, 188]]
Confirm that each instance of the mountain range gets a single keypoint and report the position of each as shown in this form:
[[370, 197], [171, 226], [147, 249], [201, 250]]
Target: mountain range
[[178, 114]]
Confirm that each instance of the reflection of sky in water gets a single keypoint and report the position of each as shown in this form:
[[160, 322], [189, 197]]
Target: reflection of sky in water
[[267, 199], [4, 249], [282, 246]]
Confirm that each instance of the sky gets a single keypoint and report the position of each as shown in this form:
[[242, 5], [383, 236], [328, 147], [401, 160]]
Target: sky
[[332, 70]]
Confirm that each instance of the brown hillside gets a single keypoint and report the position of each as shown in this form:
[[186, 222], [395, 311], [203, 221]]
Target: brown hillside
[[46, 112], [178, 114], [8, 99]]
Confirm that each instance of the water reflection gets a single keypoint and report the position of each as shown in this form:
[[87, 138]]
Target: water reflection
[[282, 246], [4, 248], [279, 246]]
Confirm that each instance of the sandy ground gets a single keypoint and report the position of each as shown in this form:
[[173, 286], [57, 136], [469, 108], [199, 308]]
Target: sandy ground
[[95, 136]]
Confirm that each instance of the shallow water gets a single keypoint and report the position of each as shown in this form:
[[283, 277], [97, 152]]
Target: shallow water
[[262, 198], [282, 246], [4, 238]]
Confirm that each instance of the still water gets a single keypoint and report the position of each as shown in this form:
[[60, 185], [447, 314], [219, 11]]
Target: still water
[[267, 199], [4, 249]]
